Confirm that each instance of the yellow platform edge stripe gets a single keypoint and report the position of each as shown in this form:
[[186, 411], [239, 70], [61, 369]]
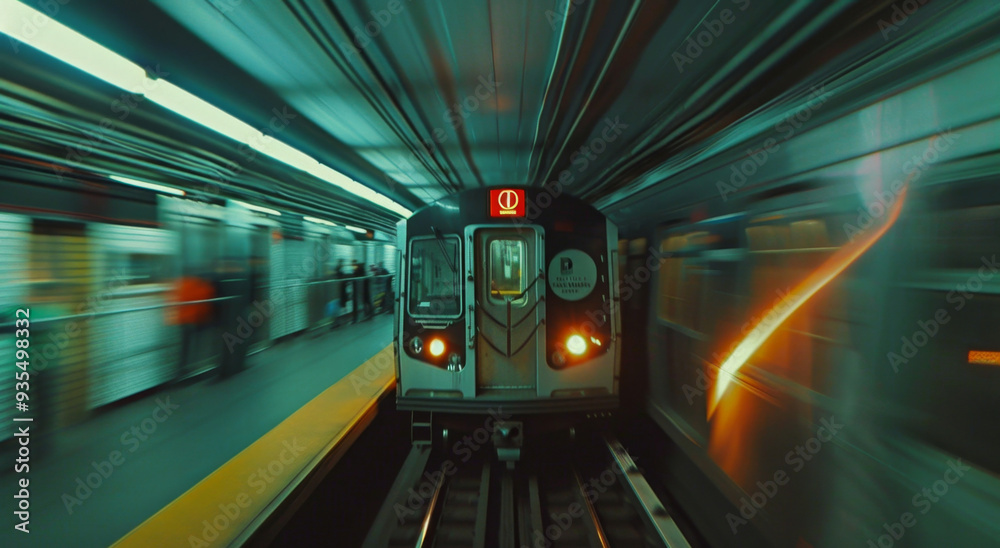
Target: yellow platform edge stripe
[[221, 508]]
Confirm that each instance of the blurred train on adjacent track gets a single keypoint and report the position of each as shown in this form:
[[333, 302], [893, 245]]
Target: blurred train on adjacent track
[[97, 263], [819, 334]]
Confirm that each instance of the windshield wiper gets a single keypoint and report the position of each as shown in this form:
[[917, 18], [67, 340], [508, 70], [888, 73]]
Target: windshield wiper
[[440, 241]]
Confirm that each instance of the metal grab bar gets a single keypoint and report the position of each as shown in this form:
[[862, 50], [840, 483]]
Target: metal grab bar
[[523, 293], [327, 281], [490, 316], [91, 315], [480, 333], [526, 341], [507, 354], [525, 316], [508, 325], [502, 324]]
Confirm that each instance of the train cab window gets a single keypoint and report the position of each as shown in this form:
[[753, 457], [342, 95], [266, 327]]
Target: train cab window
[[506, 270], [435, 277]]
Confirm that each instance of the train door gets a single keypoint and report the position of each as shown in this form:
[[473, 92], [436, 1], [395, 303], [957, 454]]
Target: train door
[[201, 244], [507, 315], [61, 272], [260, 274]]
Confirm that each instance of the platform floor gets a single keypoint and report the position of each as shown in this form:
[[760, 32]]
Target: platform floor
[[209, 422]]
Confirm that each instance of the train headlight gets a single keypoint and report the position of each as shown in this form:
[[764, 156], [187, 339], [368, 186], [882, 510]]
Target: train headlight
[[436, 347], [416, 345], [558, 359], [454, 362], [576, 345]]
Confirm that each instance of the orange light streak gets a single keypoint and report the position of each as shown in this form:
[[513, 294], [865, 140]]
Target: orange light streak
[[983, 357], [829, 270]]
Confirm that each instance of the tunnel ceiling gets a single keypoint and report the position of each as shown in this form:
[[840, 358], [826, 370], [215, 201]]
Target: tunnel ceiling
[[422, 99]]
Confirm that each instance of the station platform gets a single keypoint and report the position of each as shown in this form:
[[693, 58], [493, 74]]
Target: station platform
[[293, 400]]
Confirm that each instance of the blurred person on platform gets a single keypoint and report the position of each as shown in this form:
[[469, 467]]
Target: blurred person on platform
[[388, 296], [191, 315], [234, 283], [357, 272], [340, 273], [366, 294], [333, 307]]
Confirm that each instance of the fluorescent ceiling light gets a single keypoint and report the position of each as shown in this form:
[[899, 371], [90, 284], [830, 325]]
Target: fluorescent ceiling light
[[285, 153], [317, 221], [356, 229], [41, 32], [261, 209], [392, 206], [194, 108], [26, 24], [149, 186], [337, 178]]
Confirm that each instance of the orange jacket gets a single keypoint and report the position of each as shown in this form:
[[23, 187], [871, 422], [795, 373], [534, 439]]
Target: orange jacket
[[187, 289]]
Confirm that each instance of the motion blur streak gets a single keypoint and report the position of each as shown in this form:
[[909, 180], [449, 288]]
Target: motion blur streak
[[836, 264]]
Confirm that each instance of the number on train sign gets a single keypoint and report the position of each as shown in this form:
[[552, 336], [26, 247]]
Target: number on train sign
[[507, 202]]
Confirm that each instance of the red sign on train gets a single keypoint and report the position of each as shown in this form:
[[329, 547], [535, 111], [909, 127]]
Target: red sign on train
[[507, 203]]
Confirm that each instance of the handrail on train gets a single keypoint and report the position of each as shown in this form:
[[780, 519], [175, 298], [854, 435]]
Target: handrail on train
[[8, 326]]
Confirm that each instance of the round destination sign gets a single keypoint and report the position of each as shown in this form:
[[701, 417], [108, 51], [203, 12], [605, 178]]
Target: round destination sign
[[572, 275]]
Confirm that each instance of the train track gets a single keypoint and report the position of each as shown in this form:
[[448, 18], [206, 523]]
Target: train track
[[589, 495]]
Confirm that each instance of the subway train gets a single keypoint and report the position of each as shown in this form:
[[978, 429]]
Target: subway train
[[507, 302], [93, 259], [813, 316]]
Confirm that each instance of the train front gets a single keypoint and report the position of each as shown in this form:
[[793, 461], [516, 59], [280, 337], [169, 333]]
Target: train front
[[508, 303]]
